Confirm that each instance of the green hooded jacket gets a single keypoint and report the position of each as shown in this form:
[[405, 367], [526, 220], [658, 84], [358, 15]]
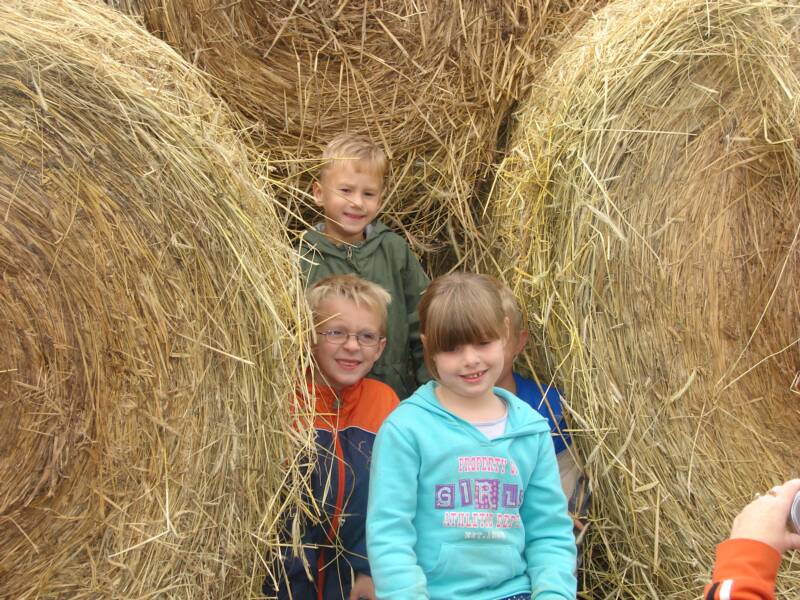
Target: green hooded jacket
[[383, 258]]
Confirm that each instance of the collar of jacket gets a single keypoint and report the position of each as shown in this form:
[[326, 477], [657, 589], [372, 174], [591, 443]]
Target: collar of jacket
[[522, 419], [328, 401], [375, 232]]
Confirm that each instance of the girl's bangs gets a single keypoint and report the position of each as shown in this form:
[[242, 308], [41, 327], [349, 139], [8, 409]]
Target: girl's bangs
[[463, 322]]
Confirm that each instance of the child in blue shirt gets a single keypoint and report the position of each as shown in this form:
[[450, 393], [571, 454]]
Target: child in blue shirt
[[465, 500], [546, 402]]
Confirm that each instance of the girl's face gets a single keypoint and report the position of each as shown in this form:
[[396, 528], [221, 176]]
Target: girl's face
[[470, 371]]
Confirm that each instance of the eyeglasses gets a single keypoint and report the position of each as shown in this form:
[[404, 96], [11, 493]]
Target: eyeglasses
[[365, 339]]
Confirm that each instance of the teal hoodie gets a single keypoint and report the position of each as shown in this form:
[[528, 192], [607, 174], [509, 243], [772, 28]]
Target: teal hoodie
[[453, 514], [383, 258]]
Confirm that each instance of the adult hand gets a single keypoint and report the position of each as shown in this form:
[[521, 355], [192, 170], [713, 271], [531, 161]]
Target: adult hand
[[363, 588], [764, 519]]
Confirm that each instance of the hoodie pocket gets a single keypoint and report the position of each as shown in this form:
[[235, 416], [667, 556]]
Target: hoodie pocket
[[474, 566]]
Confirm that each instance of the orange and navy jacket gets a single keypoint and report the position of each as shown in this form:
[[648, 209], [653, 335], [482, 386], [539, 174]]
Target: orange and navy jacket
[[745, 570], [346, 425]]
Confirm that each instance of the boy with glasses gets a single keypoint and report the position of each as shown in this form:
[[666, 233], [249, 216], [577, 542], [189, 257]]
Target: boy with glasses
[[350, 323]]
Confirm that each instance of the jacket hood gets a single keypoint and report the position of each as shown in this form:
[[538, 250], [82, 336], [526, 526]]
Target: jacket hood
[[374, 236], [522, 419]]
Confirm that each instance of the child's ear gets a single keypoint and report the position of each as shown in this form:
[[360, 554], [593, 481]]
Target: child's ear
[[317, 189], [422, 339], [381, 348], [521, 341]]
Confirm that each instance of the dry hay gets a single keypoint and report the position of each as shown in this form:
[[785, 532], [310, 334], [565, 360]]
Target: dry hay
[[430, 81], [648, 216], [150, 327]]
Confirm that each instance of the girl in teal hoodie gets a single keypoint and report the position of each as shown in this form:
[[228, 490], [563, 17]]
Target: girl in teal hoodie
[[465, 499]]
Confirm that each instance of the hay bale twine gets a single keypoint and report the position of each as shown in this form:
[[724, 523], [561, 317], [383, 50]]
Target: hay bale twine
[[150, 327], [648, 218], [431, 82]]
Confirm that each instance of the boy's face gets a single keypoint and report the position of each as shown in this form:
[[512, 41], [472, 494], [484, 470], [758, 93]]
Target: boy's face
[[350, 194], [344, 365], [514, 345]]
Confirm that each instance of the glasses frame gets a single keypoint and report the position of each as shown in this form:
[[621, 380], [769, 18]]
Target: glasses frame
[[347, 335]]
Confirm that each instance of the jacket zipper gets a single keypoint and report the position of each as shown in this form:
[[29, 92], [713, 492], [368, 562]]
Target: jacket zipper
[[337, 510]]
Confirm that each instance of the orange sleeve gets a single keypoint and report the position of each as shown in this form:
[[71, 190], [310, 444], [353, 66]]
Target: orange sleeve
[[744, 570]]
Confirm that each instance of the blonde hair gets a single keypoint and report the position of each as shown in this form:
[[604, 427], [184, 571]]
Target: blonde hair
[[353, 288], [347, 146], [457, 309], [511, 309]]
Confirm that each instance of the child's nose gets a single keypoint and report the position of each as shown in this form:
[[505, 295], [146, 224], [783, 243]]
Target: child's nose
[[470, 356], [351, 343]]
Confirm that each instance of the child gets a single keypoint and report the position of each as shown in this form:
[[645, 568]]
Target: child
[[548, 405], [349, 240], [350, 316], [468, 504]]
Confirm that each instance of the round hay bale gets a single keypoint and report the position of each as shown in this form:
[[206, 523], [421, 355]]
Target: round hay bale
[[648, 218], [151, 330], [432, 82]]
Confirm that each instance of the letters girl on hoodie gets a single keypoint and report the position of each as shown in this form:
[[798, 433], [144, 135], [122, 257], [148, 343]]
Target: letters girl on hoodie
[[465, 499]]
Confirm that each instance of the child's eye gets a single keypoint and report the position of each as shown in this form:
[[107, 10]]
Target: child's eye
[[334, 335], [367, 338], [344, 190]]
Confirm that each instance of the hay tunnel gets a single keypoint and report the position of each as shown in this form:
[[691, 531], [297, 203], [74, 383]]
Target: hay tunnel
[[648, 218], [150, 331], [431, 81]]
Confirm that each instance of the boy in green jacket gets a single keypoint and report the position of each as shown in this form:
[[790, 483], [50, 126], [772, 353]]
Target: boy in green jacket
[[349, 192]]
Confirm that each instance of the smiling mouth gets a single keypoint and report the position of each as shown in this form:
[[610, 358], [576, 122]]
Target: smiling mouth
[[470, 377], [348, 364]]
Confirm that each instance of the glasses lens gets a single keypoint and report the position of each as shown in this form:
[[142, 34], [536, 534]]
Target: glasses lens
[[334, 336], [367, 339]]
